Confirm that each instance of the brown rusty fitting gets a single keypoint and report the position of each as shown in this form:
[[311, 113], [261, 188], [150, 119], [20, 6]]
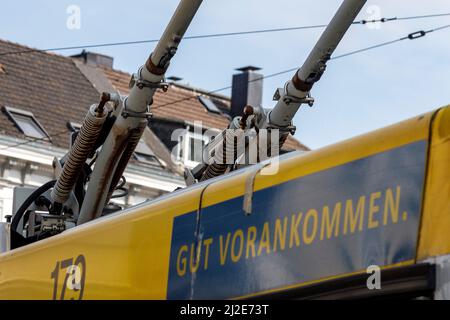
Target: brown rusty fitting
[[104, 98], [248, 111], [154, 69], [301, 85]]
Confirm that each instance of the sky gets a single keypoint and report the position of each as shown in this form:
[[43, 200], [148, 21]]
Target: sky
[[357, 94]]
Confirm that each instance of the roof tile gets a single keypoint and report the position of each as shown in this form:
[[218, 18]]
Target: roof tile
[[55, 91], [48, 85]]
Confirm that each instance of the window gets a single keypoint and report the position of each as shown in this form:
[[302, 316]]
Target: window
[[196, 149], [209, 104], [29, 126], [190, 148], [26, 122], [144, 154]]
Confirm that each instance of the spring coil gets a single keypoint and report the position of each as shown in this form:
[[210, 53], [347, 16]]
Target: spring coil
[[219, 166], [79, 152], [214, 170], [226, 150], [265, 145]]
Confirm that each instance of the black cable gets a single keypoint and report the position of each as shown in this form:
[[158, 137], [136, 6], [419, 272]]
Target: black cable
[[120, 195], [28, 202], [121, 187], [366, 49], [212, 35], [123, 182], [424, 16], [439, 28], [411, 36], [226, 34]]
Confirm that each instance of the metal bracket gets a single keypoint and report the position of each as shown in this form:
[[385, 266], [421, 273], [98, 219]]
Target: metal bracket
[[189, 177], [137, 81], [147, 84], [417, 35], [281, 93], [57, 167], [289, 129], [130, 114], [247, 205], [51, 223]]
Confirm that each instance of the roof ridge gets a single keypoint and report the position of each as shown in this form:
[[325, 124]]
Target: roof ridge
[[115, 70], [201, 91], [29, 49], [178, 85]]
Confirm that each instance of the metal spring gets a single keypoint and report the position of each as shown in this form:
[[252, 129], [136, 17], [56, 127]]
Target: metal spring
[[214, 170], [78, 154], [219, 165], [218, 168]]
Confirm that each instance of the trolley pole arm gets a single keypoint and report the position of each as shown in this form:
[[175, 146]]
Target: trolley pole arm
[[132, 114], [153, 71], [296, 91]]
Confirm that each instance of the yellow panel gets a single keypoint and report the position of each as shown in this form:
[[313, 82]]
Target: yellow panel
[[435, 232], [381, 140], [127, 255]]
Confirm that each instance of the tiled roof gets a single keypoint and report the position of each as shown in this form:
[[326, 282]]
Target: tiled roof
[[292, 144], [50, 86], [55, 91], [177, 103]]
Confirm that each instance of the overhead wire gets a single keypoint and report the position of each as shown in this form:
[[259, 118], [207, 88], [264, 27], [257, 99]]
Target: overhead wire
[[411, 36], [226, 34]]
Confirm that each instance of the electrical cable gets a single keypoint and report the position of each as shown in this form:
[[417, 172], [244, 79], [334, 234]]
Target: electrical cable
[[411, 36], [218, 35]]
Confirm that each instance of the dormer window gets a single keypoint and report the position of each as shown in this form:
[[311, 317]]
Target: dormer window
[[209, 104], [27, 123]]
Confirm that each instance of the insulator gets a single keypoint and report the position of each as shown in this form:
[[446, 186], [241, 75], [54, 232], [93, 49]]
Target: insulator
[[79, 152]]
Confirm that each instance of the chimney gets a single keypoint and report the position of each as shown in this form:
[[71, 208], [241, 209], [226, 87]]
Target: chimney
[[95, 59], [247, 90]]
